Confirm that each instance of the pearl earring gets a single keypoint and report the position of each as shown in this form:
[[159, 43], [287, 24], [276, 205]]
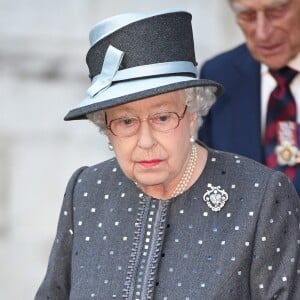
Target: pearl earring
[[192, 139], [110, 147]]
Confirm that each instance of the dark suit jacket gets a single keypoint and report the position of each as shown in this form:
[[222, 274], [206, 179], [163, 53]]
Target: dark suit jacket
[[233, 123]]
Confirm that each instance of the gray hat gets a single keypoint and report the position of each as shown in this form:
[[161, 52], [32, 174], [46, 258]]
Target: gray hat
[[134, 56]]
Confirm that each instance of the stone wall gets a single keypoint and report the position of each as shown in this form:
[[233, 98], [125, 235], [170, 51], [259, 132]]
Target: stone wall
[[43, 74]]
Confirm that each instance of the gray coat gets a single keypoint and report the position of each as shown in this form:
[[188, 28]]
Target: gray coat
[[114, 242]]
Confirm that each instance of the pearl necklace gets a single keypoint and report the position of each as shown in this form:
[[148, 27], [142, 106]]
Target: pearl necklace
[[187, 175]]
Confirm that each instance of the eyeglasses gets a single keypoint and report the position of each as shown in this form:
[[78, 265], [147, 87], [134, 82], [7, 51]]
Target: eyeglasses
[[161, 122], [272, 12]]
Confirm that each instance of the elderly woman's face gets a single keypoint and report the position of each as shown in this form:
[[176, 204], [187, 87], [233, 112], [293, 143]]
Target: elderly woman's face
[[148, 151]]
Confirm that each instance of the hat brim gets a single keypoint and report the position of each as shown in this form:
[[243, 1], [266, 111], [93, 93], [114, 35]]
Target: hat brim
[[123, 92]]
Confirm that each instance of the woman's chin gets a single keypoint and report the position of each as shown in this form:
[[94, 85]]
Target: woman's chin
[[150, 182]]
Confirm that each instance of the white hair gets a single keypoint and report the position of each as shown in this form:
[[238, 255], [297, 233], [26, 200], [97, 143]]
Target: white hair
[[198, 100], [98, 118]]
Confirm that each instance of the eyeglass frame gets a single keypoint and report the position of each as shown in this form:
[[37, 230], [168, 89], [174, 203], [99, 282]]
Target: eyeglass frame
[[180, 117]]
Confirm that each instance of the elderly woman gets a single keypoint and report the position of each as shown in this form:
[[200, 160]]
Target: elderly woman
[[167, 218]]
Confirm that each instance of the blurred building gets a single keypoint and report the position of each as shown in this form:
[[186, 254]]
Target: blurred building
[[42, 75]]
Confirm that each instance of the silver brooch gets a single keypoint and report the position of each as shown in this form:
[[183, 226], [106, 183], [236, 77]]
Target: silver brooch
[[215, 197]]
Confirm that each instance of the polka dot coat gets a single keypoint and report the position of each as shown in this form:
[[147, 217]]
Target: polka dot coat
[[114, 242]]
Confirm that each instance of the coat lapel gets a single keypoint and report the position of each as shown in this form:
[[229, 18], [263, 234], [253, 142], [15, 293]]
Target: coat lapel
[[247, 128]]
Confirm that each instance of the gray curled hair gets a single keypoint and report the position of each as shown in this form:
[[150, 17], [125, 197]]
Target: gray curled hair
[[198, 100]]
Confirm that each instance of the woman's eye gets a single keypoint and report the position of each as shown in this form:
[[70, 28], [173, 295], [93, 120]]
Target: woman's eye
[[128, 121], [161, 118]]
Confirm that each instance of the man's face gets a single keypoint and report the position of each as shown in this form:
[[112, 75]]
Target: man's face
[[271, 29]]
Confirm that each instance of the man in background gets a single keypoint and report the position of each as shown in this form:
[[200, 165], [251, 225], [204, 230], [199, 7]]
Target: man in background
[[258, 115]]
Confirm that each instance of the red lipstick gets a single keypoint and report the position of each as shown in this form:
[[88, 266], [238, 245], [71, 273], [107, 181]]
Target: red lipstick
[[150, 163]]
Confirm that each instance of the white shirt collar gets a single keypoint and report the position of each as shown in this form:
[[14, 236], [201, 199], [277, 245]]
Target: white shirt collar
[[295, 63]]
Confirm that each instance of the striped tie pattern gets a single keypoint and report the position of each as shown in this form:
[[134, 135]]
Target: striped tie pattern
[[281, 107]]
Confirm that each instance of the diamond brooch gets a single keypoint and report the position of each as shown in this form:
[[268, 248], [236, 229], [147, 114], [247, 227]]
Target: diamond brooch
[[215, 197]]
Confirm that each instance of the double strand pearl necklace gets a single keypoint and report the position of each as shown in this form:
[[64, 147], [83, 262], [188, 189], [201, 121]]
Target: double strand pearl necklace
[[188, 173]]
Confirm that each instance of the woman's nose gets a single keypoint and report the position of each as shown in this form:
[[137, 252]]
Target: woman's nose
[[146, 139]]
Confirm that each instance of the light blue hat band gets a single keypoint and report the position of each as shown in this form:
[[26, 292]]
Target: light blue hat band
[[123, 88]]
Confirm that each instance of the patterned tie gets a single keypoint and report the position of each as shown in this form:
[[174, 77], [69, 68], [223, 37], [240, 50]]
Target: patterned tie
[[281, 107]]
